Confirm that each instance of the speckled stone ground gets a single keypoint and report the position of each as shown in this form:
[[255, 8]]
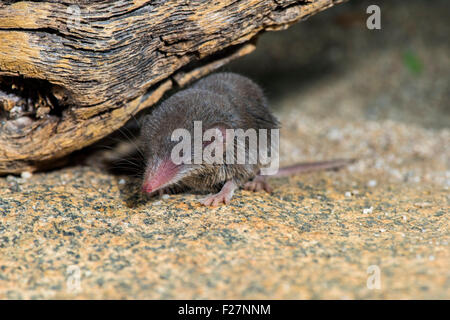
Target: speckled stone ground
[[80, 232]]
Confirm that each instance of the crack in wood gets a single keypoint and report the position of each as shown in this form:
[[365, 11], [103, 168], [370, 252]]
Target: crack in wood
[[122, 58]]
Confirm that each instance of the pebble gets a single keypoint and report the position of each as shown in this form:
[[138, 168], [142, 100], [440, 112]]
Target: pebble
[[335, 134], [372, 183], [26, 175], [368, 210], [422, 204]]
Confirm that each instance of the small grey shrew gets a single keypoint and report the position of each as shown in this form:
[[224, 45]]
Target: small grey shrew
[[220, 101]]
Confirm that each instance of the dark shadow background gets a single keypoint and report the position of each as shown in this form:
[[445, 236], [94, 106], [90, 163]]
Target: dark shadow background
[[400, 72]]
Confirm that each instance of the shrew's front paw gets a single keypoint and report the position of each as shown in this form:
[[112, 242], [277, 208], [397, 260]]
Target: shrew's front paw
[[224, 196]]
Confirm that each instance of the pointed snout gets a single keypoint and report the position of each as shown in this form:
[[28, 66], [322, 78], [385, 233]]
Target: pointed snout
[[160, 177], [147, 188], [151, 184]]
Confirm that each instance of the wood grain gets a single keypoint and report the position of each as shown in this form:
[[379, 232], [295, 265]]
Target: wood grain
[[104, 61]]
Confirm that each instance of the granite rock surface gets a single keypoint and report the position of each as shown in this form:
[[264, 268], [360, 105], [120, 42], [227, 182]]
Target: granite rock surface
[[377, 229]]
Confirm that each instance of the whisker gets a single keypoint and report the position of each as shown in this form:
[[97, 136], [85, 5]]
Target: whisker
[[125, 161], [133, 142]]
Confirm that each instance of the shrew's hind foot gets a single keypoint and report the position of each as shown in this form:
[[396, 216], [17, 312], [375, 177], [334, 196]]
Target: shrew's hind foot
[[223, 196], [257, 184]]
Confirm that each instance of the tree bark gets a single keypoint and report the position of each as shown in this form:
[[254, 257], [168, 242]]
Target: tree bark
[[72, 72]]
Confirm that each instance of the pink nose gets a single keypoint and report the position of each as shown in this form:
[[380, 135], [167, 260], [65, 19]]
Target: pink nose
[[147, 188], [154, 179]]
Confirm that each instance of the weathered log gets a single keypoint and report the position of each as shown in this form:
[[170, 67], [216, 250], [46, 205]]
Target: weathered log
[[71, 72]]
